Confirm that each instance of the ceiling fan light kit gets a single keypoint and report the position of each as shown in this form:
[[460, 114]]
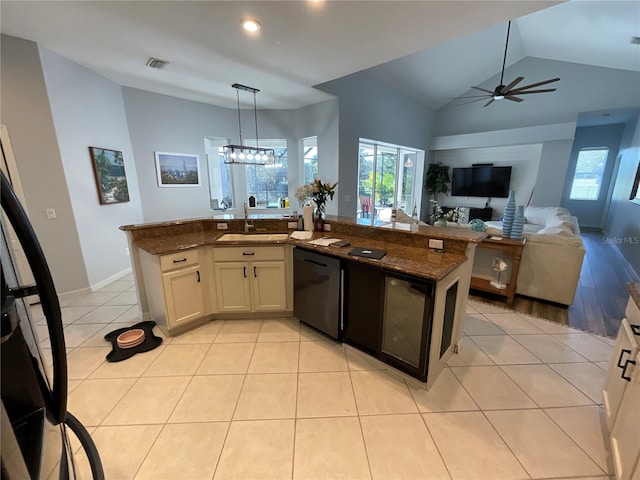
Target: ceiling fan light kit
[[509, 92]]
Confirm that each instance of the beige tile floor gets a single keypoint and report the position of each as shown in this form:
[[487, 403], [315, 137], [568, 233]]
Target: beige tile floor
[[275, 400]]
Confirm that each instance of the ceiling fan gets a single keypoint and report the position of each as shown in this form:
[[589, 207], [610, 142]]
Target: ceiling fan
[[509, 92]]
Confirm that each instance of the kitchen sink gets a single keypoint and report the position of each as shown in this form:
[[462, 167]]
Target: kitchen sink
[[253, 237]]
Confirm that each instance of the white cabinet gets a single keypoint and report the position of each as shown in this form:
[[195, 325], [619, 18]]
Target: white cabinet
[[625, 436], [252, 279], [622, 397], [175, 286]]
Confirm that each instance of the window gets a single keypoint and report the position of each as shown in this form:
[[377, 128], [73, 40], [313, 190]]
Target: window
[[587, 178], [395, 170], [310, 158], [220, 174], [635, 190], [231, 185], [269, 183]]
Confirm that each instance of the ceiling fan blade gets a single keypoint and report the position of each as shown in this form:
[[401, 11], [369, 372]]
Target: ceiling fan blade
[[484, 90], [512, 98], [544, 90], [526, 87], [471, 96], [489, 102], [472, 101], [512, 84]]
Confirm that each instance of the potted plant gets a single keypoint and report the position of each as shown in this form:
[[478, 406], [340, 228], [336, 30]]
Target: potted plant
[[437, 180]]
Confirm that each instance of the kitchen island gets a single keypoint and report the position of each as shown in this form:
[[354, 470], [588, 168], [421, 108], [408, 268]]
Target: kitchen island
[[185, 275]]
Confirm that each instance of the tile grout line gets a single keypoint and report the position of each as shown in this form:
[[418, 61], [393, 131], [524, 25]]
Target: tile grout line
[[355, 401], [295, 420]]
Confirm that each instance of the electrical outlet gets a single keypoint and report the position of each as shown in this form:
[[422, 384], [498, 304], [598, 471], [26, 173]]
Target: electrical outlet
[[435, 243], [51, 213], [222, 226], [292, 224], [126, 252], [327, 227]]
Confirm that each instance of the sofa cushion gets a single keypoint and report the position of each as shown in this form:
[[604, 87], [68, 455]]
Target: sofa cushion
[[562, 221], [555, 236], [541, 215]]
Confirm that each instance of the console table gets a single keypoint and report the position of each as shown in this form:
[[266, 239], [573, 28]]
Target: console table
[[510, 248]]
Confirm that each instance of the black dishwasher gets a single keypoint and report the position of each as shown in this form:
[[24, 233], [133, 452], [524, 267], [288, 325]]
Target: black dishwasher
[[317, 296]]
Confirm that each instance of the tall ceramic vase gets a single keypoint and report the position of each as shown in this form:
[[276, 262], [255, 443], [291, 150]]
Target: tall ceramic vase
[[518, 223], [509, 215]]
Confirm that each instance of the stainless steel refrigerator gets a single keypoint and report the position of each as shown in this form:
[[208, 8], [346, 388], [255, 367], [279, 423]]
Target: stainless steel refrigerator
[[35, 425]]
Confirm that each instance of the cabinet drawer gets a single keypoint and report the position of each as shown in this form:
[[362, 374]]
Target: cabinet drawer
[[248, 254], [178, 260]]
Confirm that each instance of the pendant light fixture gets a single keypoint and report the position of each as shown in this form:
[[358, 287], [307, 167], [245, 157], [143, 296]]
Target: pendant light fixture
[[244, 154]]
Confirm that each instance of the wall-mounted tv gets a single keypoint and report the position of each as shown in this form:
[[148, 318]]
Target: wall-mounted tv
[[481, 181]]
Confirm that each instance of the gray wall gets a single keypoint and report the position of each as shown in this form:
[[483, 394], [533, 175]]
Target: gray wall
[[623, 223], [554, 160], [168, 124], [88, 111], [321, 120], [370, 109], [26, 112], [582, 88]]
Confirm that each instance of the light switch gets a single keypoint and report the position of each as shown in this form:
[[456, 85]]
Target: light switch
[[51, 213]]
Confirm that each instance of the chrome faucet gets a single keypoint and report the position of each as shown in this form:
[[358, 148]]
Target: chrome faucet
[[246, 218]]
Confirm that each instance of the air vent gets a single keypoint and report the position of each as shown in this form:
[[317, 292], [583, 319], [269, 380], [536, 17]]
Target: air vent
[[635, 40], [156, 63]]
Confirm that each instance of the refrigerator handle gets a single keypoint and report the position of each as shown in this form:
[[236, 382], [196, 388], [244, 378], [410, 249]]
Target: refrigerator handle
[[341, 300], [56, 399]]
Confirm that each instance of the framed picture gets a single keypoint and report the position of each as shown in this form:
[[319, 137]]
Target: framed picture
[[177, 169], [111, 180]]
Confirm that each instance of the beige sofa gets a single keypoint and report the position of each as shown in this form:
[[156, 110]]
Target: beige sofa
[[552, 257]]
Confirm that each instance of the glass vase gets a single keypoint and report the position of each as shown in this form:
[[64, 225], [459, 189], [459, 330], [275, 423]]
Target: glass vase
[[318, 222]]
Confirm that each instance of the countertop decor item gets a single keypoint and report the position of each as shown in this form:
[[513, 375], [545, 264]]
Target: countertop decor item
[[320, 192], [123, 335], [509, 215], [518, 223]]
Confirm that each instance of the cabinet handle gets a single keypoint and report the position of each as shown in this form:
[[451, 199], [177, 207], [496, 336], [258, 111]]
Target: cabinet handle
[[624, 370], [180, 261], [622, 352], [244, 272], [248, 254], [198, 275], [635, 329], [255, 275]]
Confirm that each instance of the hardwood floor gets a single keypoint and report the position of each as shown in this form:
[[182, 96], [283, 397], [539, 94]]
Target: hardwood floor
[[601, 297]]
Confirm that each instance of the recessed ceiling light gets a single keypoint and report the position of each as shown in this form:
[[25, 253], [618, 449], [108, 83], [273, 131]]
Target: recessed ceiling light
[[251, 25]]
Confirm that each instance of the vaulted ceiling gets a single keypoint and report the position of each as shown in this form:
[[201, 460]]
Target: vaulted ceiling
[[434, 50]]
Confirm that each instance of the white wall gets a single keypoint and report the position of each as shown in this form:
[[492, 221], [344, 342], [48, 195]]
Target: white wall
[[88, 111], [525, 160], [26, 112], [554, 161]]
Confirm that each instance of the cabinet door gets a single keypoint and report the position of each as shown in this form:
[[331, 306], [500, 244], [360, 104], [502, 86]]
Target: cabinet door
[[183, 295], [232, 285], [363, 306], [615, 385], [625, 448], [268, 285]]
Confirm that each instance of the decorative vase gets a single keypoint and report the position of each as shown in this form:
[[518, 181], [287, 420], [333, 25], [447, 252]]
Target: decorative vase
[[518, 223], [441, 222], [318, 223], [509, 215]]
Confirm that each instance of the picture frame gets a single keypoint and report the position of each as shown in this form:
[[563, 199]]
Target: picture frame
[[177, 169], [110, 175]]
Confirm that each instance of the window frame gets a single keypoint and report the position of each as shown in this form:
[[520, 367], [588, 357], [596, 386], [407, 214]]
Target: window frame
[[601, 174], [303, 158], [635, 189]]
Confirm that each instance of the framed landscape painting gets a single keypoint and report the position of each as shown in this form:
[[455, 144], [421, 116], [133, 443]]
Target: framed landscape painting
[[111, 180], [177, 169]]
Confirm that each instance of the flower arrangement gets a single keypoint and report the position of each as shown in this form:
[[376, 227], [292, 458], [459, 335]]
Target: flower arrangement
[[317, 191], [452, 215]]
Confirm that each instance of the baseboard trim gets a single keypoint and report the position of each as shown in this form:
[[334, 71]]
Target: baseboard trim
[[112, 278], [74, 293]]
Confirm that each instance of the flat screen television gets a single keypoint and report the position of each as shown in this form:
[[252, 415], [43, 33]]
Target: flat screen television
[[483, 181]]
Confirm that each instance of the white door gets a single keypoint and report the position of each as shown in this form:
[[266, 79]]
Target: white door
[[183, 295], [268, 285], [233, 287]]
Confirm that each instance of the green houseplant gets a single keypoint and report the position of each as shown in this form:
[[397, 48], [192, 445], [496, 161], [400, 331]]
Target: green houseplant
[[437, 180]]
